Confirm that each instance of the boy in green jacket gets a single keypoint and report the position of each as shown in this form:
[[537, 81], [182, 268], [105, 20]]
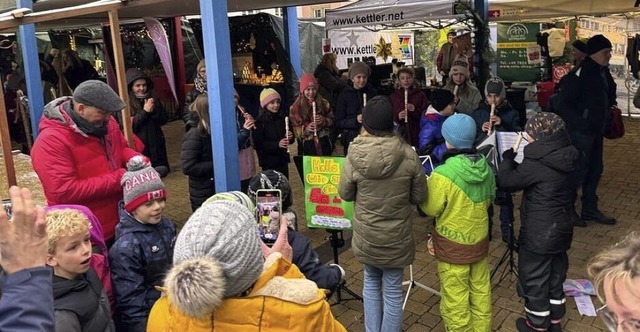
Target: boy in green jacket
[[459, 193]]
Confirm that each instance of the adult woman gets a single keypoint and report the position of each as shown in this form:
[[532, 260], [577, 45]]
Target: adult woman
[[329, 81], [199, 87], [77, 70]]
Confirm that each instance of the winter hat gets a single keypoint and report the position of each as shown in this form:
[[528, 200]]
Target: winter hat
[[217, 255], [459, 130], [234, 196], [377, 117], [271, 179], [495, 85], [597, 43], [98, 94], [460, 65], [440, 99], [580, 45], [307, 80], [141, 183], [359, 67], [544, 124], [268, 95]]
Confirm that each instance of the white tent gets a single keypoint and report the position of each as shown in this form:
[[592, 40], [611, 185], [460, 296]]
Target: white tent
[[513, 10]]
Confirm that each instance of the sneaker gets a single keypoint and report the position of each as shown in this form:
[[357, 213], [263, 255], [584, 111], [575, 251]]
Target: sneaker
[[598, 217], [577, 221]]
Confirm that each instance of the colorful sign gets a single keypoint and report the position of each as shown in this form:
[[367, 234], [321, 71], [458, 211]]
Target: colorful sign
[[324, 207], [513, 58]]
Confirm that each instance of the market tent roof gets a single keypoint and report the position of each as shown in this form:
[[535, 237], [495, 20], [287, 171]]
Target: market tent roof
[[390, 13], [513, 10]]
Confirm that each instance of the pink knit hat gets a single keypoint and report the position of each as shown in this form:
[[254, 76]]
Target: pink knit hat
[[268, 95], [307, 80]]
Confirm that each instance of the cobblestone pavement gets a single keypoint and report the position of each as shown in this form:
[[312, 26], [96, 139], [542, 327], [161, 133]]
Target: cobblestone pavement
[[619, 196]]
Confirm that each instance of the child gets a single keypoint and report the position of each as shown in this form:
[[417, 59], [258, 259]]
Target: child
[[417, 103], [304, 257], [431, 140], [196, 157], [467, 96], [384, 177], [459, 192], [270, 137], [148, 118], [143, 250], [505, 118], [351, 101], [312, 134], [546, 226], [244, 125], [80, 302]]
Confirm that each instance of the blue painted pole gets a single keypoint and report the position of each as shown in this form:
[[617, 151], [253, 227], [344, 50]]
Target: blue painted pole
[[217, 50], [292, 38], [31, 66]]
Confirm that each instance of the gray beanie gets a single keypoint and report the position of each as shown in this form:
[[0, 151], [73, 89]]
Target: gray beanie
[[359, 67], [98, 94], [377, 117], [141, 184], [217, 255]]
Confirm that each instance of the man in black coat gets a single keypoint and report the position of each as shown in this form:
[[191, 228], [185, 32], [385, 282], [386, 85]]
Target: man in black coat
[[584, 106]]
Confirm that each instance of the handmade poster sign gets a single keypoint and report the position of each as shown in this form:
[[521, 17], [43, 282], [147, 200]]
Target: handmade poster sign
[[324, 207]]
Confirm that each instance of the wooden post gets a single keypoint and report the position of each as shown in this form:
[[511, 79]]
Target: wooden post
[[121, 75], [5, 140]]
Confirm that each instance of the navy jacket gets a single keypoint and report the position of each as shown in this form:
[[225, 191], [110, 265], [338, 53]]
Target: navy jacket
[[27, 301], [307, 260], [510, 120], [349, 106]]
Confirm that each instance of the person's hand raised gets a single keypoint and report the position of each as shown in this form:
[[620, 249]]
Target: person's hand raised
[[282, 242], [23, 239]]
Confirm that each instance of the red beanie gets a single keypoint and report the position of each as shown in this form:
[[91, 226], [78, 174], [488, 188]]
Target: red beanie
[[307, 80]]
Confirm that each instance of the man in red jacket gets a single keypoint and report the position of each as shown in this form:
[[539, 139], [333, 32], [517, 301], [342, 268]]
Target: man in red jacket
[[80, 153]]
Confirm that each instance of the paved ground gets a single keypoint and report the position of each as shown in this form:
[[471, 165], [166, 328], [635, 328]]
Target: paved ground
[[619, 196]]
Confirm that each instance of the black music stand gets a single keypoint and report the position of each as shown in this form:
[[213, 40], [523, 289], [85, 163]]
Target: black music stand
[[336, 240], [507, 257]]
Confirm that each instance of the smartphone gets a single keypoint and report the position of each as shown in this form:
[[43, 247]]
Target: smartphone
[[268, 212]]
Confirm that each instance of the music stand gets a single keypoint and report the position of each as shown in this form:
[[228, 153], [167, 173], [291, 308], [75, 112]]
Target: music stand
[[507, 256], [336, 240], [411, 282]]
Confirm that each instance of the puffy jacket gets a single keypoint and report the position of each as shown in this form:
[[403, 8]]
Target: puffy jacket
[[431, 141], [148, 126], [419, 100], [140, 258], [460, 191], [76, 168], [509, 119], [190, 118], [307, 260], [329, 84], [547, 203], [266, 308], [350, 104], [384, 177], [26, 301], [197, 162], [266, 137]]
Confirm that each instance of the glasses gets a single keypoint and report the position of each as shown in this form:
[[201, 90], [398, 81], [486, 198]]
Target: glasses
[[611, 321]]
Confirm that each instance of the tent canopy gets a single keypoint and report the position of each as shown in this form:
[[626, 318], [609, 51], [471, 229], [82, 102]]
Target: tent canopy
[[390, 13], [514, 10]]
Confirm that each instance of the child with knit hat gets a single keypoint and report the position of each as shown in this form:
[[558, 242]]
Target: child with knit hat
[[143, 249], [351, 102], [505, 118], [459, 193], [417, 103], [467, 96], [220, 280], [546, 227], [382, 174], [311, 128], [430, 138], [270, 137]]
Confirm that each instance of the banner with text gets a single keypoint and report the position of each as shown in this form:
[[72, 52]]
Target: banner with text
[[352, 45], [514, 60], [324, 207]]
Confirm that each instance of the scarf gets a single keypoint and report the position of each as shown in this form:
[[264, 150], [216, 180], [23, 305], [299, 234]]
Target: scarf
[[85, 126], [200, 84]]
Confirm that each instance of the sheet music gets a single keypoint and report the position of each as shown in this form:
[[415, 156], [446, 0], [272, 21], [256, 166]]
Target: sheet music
[[506, 140]]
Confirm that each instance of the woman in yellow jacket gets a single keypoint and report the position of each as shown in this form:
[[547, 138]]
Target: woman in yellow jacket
[[221, 282]]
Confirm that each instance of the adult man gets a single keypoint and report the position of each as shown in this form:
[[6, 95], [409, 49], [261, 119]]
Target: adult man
[[446, 56], [585, 103], [81, 153], [578, 51]]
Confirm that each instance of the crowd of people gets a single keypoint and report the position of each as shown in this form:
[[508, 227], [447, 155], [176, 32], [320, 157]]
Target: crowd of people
[[104, 256]]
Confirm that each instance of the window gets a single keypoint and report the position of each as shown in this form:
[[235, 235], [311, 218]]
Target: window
[[279, 11], [318, 13]]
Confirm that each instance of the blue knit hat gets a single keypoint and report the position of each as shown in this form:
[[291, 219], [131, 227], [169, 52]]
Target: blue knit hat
[[459, 130]]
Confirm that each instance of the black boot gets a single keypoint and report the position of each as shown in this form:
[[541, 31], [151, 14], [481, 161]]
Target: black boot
[[523, 326], [577, 221], [598, 217]]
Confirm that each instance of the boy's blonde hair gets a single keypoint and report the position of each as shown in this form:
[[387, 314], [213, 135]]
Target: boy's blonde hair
[[65, 222], [621, 262]]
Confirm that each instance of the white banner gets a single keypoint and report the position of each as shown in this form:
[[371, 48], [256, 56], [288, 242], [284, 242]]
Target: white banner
[[352, 45]]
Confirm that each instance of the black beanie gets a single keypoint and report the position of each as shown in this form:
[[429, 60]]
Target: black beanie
[[377, 117], [597, 43], [440, 98], [580, 45]]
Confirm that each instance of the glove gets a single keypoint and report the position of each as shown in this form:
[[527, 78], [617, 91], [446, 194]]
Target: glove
[[509, 154]]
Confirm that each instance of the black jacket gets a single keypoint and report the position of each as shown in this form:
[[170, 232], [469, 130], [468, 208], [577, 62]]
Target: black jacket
[[547, 205], [190, 118], [148, 126], [197, 162], [329, 84], [350, 104], [266, 137], [509, 119]]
